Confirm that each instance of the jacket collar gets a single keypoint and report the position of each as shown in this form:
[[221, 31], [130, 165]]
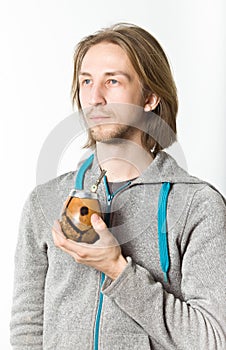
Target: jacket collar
[[163, 168]]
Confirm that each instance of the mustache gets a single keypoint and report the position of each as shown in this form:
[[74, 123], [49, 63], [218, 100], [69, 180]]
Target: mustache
[[100, 111]]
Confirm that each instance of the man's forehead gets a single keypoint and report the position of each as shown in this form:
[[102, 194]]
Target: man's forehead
[[107, 58], [106, 53]]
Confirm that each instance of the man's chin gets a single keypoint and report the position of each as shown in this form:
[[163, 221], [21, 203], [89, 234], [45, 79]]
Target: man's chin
[[109, 134], [110, 139]]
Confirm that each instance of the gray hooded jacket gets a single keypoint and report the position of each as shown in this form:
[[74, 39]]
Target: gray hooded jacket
[[60, 304]]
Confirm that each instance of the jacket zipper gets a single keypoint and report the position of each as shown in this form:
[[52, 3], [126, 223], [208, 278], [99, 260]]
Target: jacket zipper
[[99, 308], [110, 196]]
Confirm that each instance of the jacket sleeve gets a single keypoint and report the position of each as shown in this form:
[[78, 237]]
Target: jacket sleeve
[[26, 327], [198, 321]]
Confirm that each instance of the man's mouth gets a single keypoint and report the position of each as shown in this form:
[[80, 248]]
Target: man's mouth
[[98, 117]]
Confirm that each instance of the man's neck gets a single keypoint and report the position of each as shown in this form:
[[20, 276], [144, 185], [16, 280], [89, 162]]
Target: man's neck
[[124, 160]]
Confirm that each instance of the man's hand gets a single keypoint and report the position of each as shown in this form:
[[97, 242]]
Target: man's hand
[[104, 255]]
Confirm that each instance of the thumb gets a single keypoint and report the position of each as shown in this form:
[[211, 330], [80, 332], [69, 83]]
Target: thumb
[[98, 223], [106, 237]]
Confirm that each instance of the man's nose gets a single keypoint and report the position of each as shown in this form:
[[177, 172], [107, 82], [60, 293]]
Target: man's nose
[[97, 96]]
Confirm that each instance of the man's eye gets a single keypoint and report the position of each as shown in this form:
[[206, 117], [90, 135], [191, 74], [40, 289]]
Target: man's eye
[[112, 82], [86, 81]]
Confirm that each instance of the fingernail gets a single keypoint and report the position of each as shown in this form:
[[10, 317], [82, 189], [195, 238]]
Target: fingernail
[[95, 218]]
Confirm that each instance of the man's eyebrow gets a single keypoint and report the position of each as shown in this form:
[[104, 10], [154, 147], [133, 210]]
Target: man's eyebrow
[[113, 73], [118, 72], [85, 73]]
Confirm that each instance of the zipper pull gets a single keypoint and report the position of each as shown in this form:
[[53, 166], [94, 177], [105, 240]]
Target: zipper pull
[[95, 186], [109, 198]]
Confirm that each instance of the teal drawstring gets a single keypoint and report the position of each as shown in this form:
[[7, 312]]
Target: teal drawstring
[[162, 229], [81, 172]]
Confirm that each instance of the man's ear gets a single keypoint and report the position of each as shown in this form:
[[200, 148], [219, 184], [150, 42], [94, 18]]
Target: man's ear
[[151, 102]]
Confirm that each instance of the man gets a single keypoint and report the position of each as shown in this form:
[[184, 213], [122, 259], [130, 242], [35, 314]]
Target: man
[[155, 278]]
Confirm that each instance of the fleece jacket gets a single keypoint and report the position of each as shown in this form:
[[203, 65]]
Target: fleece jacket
[[60, 304]]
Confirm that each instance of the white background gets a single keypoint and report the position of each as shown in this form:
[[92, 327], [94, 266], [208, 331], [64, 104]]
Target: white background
[[37, 44]]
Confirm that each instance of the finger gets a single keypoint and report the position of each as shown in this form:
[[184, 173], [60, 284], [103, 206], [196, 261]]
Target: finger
[[67, 246], [98, 224], [74, 255], [57, 228], [58, 238], [75, 249], [107, 239]]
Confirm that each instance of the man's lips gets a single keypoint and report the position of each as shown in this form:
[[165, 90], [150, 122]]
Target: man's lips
[[98, 118]]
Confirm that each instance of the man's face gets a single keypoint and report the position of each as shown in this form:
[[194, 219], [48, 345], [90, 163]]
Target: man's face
[[110, 93]]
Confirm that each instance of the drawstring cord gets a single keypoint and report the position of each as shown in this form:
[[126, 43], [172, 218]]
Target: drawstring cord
[[162, 229], [81, 172]]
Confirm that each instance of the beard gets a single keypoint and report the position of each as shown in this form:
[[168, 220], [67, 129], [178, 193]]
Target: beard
[[122, 123], [112, 133]]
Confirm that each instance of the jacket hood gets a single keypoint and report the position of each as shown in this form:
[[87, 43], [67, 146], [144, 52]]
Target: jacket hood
[[163, 168]]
